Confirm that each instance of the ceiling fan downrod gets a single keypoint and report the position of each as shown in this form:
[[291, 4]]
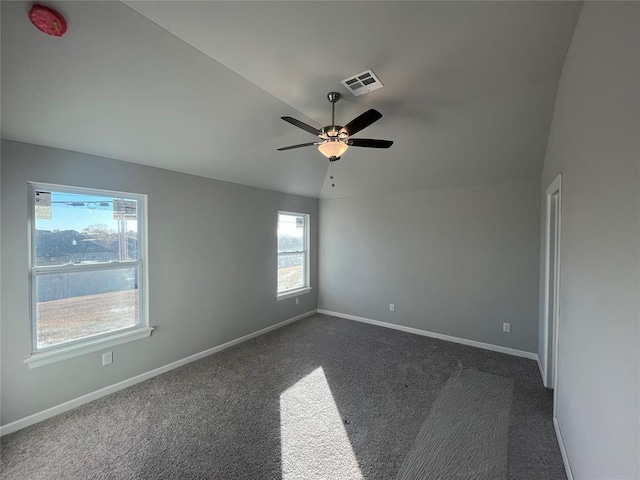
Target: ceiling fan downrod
[[333, 97]]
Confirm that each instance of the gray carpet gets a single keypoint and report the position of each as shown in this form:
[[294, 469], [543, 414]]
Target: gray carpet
[[466, 432], [321, 398]]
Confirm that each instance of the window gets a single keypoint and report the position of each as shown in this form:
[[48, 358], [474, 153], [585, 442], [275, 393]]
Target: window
[[88, 271], [293, 254]]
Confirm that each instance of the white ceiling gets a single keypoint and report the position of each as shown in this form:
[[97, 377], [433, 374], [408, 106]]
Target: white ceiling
[[200, 87]]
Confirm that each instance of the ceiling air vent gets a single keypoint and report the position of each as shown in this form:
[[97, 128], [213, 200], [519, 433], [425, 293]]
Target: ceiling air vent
[[362, 83]]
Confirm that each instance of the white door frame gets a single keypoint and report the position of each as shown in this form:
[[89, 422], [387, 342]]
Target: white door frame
[[551, 354]]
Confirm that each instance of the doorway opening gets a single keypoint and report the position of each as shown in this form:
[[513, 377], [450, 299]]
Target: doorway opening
[[552, 282]]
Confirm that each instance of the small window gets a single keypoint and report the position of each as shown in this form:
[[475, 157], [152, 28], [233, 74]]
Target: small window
[[87, 266], [293, 254]]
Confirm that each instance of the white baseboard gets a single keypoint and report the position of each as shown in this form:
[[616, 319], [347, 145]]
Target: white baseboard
[[76, 402], [425, 333], [563, 450], [89, 397], [540, 368]]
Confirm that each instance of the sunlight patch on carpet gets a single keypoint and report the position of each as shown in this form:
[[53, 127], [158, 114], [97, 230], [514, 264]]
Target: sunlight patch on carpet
[[314, 441]]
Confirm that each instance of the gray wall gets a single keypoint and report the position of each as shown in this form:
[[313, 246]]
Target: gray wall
[[456, 261], [212, 270], [594, 143]]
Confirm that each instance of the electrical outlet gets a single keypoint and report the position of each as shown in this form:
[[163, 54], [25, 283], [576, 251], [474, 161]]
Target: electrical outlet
[[297, 301], [392, 307], [506, 327], [107, 358]]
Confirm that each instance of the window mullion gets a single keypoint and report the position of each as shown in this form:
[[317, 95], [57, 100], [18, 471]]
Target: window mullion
[[74, 267]]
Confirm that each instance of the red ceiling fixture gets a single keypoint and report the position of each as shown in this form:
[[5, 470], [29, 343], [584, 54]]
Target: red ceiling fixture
[[47, 20]]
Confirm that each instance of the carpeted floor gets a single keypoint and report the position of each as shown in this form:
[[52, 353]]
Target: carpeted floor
[[466, 432], [323, 398]]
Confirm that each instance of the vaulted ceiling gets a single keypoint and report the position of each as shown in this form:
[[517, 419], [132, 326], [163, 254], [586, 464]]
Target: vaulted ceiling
[[200, 87]]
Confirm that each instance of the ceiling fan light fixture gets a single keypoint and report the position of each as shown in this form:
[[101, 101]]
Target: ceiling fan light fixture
[[333, 148]]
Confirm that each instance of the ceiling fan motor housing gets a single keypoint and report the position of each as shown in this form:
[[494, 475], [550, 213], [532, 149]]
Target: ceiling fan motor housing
[[333, 131]]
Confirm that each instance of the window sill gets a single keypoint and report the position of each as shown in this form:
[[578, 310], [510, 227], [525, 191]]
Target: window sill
[[294, 293], [64, 353]]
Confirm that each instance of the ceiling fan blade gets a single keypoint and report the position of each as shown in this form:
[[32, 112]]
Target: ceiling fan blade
[[362, 122], [370, 143], [302, 125], [296, 146]]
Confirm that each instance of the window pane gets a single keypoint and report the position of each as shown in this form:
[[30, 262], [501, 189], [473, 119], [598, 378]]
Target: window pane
[[290, 271], [84, 228], [290, 233], [76, 305]]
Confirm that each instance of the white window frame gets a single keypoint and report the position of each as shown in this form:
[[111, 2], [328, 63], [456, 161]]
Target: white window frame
[[55, 353], [306, 268]]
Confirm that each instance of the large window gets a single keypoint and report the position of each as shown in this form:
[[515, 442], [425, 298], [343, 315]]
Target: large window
[[293, 254], [87, 269]]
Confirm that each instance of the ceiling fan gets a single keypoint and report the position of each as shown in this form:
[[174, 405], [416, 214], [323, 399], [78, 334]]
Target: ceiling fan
[[336, 139]]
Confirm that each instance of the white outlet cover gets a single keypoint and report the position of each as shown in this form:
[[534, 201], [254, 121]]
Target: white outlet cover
[[107, 358]]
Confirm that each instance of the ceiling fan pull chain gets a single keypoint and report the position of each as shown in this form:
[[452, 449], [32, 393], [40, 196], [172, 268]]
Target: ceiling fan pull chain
[[331, 174]]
